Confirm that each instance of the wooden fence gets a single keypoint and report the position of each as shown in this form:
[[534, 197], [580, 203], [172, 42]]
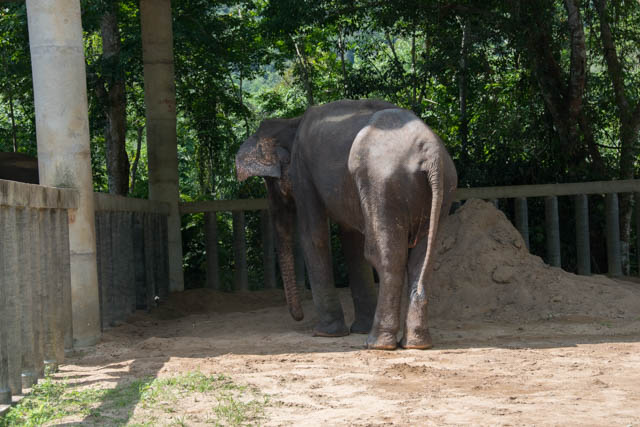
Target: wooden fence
[[521, 193]]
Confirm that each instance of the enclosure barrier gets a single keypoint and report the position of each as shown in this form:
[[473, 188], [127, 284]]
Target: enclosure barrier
[[133, 259], [240, 273], [520, 194], [35, 283], [580, 191]]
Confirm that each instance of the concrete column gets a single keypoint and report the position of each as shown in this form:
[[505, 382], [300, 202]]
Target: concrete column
[[211, 241], [160, 101], [62, 128], [522, 218], [552, 230]]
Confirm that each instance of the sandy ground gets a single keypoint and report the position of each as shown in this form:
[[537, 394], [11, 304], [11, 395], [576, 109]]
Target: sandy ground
[[516, 342], [573, 370]]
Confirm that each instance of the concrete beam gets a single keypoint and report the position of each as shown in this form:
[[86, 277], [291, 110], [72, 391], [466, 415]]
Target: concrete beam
[[62, 129], [160, 101]]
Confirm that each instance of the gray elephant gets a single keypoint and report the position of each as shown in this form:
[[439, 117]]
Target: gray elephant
[[386, 179]]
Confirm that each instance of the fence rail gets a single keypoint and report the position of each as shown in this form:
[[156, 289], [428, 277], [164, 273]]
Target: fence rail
[[520, 194], [35, 284]]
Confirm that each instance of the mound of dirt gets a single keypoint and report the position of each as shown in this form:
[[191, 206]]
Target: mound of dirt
[[483, 270]]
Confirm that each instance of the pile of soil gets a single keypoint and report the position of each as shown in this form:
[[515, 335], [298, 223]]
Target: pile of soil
[[483, 270]]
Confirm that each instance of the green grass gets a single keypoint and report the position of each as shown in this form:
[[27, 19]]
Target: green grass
[[156, 401]]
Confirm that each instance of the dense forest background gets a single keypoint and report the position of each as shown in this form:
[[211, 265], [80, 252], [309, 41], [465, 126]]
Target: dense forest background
[[521, 92]]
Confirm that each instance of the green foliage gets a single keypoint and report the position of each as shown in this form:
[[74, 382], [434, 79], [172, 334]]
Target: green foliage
[[241, 61]]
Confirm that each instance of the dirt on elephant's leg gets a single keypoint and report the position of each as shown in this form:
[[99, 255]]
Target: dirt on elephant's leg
[[416, 326], [416, 331]]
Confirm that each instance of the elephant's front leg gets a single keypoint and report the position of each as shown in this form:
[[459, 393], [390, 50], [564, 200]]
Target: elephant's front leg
[[316, 246], [363, 290]]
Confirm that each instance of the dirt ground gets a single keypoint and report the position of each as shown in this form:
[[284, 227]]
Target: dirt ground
[[515, 342]]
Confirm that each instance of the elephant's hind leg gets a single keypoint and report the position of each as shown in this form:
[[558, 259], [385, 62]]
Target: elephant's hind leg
[[361, 282], [386, 249], [416, 330]]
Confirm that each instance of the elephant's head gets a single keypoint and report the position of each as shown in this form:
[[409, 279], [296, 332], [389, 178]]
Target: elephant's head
[[267, 154]]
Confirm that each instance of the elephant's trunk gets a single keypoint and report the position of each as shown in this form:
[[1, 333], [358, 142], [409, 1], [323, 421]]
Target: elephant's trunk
[[287, 268], [284, 219]]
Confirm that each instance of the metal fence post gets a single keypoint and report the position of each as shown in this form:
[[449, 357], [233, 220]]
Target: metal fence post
[[211, 241], [583, 250], [240, 276], [614, 260], [552, 231], [522, 218]]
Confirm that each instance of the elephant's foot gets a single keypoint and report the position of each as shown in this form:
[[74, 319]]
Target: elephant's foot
[[416, 331], [381, 341], [337, 328], [417, 339], [361, 326]]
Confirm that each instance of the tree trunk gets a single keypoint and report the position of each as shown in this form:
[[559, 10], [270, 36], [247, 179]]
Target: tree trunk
[[306, 77], [629, 126], [341, 49], [134, 168], [115, 108], [462, 91], [14, 135]]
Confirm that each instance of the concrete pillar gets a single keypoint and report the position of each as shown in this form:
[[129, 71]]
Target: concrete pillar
[[160, 101], [552, 230], [614, 259], [62, 129], [522, 218], [211, 241]]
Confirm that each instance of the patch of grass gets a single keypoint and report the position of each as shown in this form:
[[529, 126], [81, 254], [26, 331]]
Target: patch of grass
[[53, 399]]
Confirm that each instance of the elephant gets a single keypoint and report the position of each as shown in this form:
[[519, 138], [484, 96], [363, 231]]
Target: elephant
[[386, 179]]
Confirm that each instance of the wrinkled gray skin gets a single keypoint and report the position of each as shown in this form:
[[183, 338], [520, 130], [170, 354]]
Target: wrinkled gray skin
[[381, 174]]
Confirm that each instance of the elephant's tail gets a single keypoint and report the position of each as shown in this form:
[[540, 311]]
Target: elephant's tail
[[434, 170]]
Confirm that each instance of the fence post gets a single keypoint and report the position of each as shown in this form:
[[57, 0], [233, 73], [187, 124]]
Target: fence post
[[67, 308], [614, 261], [240, 277], [522, 218], [268, 250], [636, 198], [583, 249], [10, 351], [211, 241], [552, 230], [35, 253], [25, 285]]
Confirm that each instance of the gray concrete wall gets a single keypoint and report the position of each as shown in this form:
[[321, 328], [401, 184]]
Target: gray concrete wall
[[35, 283], [133, 261], [62, 129], [160, 101]]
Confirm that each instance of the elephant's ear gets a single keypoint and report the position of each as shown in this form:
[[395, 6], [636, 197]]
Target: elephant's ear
[[263, 153], [258, 157]]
